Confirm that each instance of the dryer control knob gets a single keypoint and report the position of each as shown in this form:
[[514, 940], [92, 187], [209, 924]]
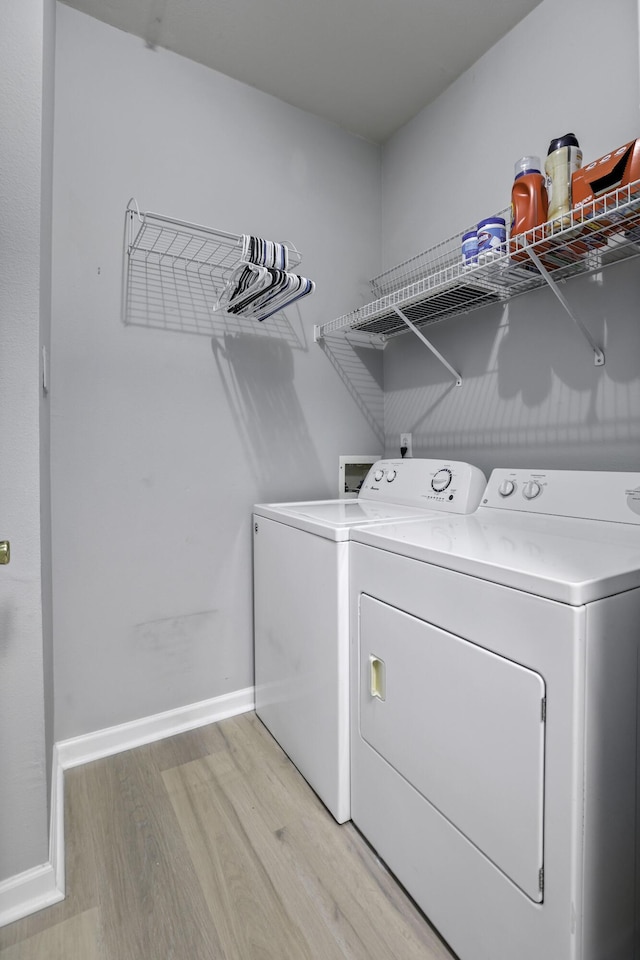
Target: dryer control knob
[[378, 475], [506, 488], [391, 475], [531, 490]]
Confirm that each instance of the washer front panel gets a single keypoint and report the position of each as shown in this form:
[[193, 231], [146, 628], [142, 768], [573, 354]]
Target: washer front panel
[[302, 654]]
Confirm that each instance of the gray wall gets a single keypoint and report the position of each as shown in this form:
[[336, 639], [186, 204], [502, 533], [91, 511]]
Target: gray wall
[[531, 394], [162, 441], [23, 199]]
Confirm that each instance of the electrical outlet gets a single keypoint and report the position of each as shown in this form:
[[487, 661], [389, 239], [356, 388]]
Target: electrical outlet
[[405, 442]]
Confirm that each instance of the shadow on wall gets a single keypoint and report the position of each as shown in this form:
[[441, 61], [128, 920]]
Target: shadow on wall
[[206, 324], [257, 374], [359, 366], [254, 360], [531, 393]]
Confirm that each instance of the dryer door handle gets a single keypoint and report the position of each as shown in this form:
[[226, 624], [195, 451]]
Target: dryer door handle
[[377, 678]]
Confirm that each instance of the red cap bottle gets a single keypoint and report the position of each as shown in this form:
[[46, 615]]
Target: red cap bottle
[[529, 201]]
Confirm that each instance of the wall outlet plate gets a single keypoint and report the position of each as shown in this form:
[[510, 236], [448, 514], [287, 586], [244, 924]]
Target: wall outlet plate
[[405, 441]]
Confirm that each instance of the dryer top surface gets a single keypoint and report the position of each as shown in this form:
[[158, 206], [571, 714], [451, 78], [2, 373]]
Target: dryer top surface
[[571, 560], [568, 535]]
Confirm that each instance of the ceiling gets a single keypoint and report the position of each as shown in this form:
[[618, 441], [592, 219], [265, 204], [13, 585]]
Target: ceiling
[[367, 65]]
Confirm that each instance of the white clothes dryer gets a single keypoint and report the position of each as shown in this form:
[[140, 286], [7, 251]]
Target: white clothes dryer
[[496, 715], [301, 607]]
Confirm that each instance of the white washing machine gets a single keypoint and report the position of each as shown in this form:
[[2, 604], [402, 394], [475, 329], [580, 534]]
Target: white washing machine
[[301, 607], [495, 719]]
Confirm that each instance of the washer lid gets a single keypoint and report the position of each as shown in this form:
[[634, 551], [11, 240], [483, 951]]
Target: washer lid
[[334, 519], [561, 558]]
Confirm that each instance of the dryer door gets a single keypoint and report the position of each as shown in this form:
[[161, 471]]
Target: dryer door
[[465, 727]]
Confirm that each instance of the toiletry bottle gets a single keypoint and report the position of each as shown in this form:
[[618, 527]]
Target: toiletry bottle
[[528, 196], [563, 159]]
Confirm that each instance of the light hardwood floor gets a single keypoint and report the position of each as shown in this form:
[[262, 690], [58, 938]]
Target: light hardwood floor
[[211, 846]]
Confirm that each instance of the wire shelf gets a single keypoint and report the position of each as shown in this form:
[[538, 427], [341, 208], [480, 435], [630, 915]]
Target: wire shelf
[[437, 284], [175, 272]]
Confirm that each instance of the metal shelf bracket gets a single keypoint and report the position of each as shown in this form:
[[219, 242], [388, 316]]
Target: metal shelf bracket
[[597, 352], [436, 353]]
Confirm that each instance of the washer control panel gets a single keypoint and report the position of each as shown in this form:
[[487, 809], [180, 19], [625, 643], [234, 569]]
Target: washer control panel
[[588, 494], [451, 486]]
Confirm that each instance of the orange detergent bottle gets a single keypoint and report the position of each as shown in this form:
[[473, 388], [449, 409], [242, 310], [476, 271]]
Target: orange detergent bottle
[[529, 205], [529, 202]]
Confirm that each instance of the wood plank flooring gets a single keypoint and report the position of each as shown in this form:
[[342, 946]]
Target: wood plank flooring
[[211, 846]]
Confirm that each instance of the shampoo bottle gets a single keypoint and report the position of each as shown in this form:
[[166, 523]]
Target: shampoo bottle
[[563, 159]]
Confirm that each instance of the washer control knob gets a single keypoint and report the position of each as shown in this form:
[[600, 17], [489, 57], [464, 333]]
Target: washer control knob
[[506, 488], [441, 480], [378, 475], [531, 490], [391, 475]]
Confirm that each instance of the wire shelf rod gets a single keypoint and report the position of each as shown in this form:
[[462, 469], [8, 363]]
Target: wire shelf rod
[[598, 354], [171, 221], [436, 353]]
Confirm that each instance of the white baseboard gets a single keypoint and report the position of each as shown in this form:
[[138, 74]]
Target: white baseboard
[[125, 736], [56, 826], [27, 893], [43, 886]]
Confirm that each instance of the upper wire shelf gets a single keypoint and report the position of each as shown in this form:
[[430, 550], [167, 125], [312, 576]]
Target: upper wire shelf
[[436, 284], [175, 271]]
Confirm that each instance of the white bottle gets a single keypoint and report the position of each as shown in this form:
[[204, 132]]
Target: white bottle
[[563, 159]]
